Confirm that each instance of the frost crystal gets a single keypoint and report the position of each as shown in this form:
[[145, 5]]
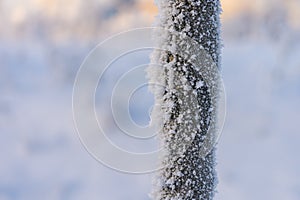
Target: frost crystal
[[185, 106]]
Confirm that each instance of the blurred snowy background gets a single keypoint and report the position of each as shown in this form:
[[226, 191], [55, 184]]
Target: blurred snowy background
[[43, 43]]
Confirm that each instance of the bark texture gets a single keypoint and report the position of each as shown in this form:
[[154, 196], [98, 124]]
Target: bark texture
[[186, 102]]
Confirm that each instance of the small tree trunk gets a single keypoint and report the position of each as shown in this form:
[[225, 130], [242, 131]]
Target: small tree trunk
[[185, 173]]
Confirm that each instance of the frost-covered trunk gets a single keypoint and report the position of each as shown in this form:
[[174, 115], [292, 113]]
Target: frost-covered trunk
[[185, 103]]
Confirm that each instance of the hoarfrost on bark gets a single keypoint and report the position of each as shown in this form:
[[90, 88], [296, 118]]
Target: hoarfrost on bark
[[184, 101]]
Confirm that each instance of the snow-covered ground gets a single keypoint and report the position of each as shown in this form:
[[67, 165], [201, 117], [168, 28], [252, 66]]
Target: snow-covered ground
[[42, 158]]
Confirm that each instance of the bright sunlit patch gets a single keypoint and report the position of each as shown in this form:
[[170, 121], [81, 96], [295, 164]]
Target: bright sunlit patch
[[18, 15], [294, 15], [148, 8]]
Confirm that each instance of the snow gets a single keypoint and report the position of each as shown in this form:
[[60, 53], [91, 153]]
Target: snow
[[199, 84]]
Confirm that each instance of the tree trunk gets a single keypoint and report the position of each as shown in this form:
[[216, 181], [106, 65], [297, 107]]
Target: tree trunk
[[186, 102]]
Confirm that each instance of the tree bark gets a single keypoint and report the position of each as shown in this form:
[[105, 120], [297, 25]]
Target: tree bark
[[186, 175]]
